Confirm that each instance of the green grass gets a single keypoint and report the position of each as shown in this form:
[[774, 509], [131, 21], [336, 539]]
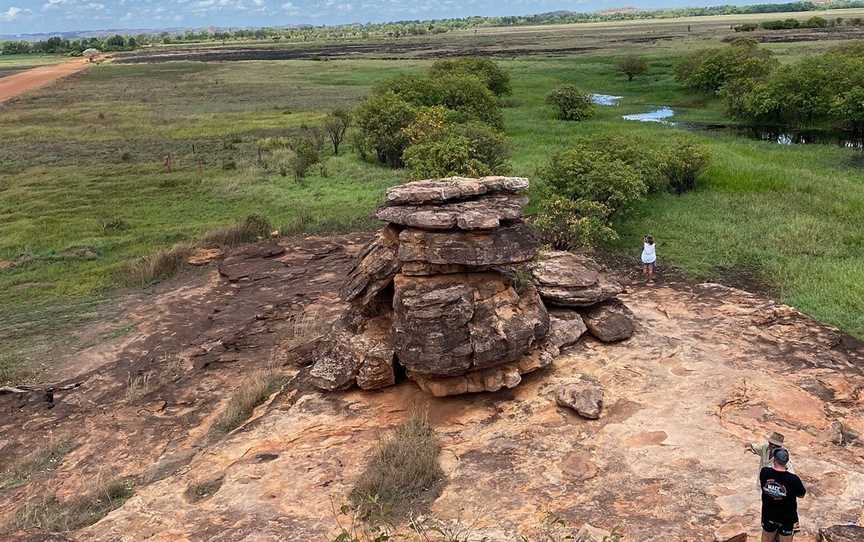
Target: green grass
[[84, 189]]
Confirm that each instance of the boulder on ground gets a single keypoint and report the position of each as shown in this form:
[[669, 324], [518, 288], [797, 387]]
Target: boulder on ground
[[842, 533], [375, 268], [483, 214], [584, 395], [501, 246], [453, 189], [572, 280], [449, 325], [334, 364], [610, 322], [566, 327]]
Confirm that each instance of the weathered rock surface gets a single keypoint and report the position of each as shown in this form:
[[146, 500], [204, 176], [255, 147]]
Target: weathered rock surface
[[483, 214], [842, 533], [584, 395], [589, 533], [507, 245], [250, 262], [375, 267], [453, 189], [566, 327], [610, 322], [572, 280], [448, 325], [364, 357]]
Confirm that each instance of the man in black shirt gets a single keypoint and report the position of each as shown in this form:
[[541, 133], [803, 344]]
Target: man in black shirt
[[780, 493]]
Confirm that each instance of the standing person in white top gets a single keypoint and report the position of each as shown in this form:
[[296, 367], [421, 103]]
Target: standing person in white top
[[649, 257]]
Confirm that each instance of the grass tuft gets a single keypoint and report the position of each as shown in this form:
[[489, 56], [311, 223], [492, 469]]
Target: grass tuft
[[160, 265], [41, 461], [253, 391], [248, 231], [51, 515], [203, 490], [403, 472]]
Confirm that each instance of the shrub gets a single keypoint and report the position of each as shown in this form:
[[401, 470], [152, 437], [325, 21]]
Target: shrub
[[587, 173], [571, 103], [382, 119], [642, 155], [567, 224], [709, 70], [252, 392], [472, 150], [336, 125], [430, 123], [493, 76], [632, 65], [465, 95], [402, 469], [683, 162]]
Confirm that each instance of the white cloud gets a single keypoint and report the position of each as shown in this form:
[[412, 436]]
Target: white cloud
[[12, 14]]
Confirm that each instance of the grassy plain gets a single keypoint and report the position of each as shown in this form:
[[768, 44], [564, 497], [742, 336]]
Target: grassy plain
[[10, 64], [84, 187]]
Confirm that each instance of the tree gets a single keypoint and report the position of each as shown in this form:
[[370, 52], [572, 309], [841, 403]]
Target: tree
[[381, 120], [571, 103], [336, 124], [567, 224], [682, 163], [632, 65], [709, 70], [472, 150]]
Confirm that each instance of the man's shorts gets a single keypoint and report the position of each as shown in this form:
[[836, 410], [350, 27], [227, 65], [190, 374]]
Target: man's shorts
[[785, 529]]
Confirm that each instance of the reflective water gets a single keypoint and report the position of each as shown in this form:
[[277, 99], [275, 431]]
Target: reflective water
[[780, 135], [658, 115], [605, 99]]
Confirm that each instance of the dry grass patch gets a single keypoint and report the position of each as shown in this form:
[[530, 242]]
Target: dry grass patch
[[248, 231], [403, 473], [253, 391], [203, 490], [157, 266], [42, 460], [50, 514]]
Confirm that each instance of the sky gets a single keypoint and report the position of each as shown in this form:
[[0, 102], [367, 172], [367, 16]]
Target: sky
[[38, 16]]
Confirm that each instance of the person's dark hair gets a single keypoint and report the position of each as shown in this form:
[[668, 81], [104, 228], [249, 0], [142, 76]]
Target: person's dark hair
[[781, 456], [649, 239]]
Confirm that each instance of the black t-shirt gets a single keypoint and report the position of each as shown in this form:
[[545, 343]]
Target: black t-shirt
[[780, 493]]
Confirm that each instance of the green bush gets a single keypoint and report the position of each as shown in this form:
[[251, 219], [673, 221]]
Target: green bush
[[472, 150], [571, 103], [682, 163], [465, 95], [493, 76], [382, 120], [709, 70], [585, 172], [566, 224]]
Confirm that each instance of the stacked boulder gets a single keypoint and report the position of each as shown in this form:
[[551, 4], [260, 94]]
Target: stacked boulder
[[455, 291]]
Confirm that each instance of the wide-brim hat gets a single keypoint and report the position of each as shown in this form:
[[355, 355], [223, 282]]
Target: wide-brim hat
[[776, 439]]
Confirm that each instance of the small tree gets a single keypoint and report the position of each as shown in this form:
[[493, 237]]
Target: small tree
[[683, 162], [567, 224], [381, 119], [632, 65], [571, 103], [336, 125]]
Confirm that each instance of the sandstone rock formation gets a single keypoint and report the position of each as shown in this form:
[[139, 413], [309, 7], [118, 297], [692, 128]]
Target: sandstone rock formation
[[457, 272], [584, 395]]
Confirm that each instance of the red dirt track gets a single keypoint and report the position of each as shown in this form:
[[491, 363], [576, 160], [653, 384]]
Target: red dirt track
[[19, 83]]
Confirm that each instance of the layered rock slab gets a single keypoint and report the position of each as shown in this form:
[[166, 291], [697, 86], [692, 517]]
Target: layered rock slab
[[501, 246], [453, 189], [572, 280], [610, 322], [484, 214], [375, 268]]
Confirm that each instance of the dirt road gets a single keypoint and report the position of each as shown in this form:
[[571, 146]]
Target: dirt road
[[19, 83]]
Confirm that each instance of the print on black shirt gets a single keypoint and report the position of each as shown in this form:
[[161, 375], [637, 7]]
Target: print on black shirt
[[780, 494]]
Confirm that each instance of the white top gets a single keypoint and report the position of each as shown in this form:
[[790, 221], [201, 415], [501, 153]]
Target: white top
[[649, 253]]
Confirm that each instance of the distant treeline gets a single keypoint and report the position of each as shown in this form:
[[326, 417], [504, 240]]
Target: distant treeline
[[58, 45], [812, 22], [401, 28]]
